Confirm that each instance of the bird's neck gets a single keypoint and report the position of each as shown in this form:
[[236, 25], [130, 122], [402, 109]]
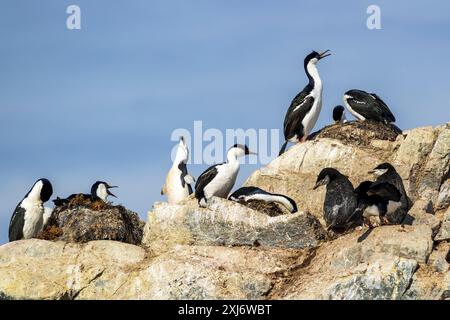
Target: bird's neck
[[178, 159], [34, 196], [313, 75], [232, 157], [181, 156]]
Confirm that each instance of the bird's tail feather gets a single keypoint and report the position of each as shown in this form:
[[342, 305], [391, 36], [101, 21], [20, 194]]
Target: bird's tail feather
[[283, 148]]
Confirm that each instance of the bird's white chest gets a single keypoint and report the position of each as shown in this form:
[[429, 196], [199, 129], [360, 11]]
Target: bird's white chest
[[174, 189], [371, 211], [312, 116], [33, 219], [224, 181]]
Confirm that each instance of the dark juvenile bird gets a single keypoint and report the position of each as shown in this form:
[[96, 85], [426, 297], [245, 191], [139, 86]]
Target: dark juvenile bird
[[99, 191], [305, 108], [367, 106], [246, 194], [219, 179], [340, 201], [339, 115], [386, 172], [376, 199], [27, 219]]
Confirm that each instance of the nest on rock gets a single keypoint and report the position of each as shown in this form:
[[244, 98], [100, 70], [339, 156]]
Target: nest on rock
[[83, 220], [271, 209], [359, 133]]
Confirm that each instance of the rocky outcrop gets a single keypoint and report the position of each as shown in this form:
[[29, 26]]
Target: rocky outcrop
[[421, 157], [444, 232], [379, 267], [230, 251], [227, 223]]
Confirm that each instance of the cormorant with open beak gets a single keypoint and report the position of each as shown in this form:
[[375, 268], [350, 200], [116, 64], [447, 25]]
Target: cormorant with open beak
[[305, 108]]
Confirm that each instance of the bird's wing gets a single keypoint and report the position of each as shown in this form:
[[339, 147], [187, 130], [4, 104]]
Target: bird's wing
[[387, 114], [366, 107], [370, 106], [183, 168], [340, 203], [300, 106], [385, 190], [204, 179], [16, 224]]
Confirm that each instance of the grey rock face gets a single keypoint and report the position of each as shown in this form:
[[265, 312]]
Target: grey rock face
[[421, 213], [444, 232], [228, 223], [444, 195]]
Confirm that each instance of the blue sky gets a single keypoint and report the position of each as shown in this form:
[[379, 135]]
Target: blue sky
[[100, 103]]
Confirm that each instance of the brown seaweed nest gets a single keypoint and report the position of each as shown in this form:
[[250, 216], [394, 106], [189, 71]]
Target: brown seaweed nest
[[360, 133], [269, 208], [83, 220]]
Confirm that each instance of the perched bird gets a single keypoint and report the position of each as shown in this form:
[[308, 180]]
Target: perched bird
[[99, 191], [340, 201], [376, 199], [339, 115], [386, 172], [219, 179], [178, 181], [245, 194], [304, 110], [367, 106], [27, 219]]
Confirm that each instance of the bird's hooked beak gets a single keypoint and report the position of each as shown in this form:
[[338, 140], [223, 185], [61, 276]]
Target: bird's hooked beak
[[324, 54], [378, 172], [322, 182], [109, 192]]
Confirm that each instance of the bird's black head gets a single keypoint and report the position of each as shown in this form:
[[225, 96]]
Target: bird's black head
[[326, 176], [382, 169], [338, 112], [46, 190], [100, 187], [242, 147], [315, 56]]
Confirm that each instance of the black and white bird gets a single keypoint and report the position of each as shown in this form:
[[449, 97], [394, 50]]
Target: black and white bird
[[376, 199], [305, 108], [178, 182], [339, 115], [99, 191], [246, 194], [386, 172], [27, 219], [340, 201], [367, 106], [219, 179]]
